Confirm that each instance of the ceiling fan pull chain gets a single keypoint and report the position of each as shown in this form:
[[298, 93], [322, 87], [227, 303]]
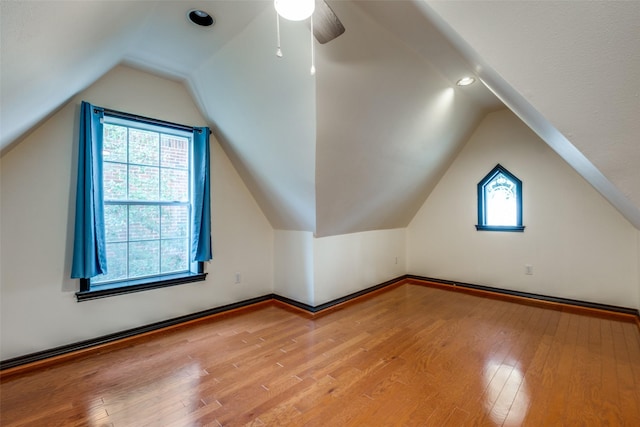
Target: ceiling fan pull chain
[[279, 51], [313, 53]]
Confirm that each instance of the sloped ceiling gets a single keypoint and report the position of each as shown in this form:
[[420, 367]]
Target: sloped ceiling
[[569, 70], [360, 145], [390, 118]]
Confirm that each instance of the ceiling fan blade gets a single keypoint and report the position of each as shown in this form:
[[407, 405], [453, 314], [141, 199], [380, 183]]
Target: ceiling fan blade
[[326, 25]]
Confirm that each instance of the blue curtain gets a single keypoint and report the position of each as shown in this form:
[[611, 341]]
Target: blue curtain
[[89, 249], [201, 213]]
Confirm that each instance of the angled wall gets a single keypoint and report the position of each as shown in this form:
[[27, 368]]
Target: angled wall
[[294, 265], [580, 247], [638, 253], [348, 263], [568, 70], [38, 308], [263, 111], [389, 122], [316, 270]]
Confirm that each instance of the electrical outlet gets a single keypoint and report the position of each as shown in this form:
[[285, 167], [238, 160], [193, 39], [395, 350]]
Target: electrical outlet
[[528, 270], [238, 277], [396, 260]]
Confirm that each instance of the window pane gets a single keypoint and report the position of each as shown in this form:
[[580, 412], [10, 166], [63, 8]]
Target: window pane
[[143, 168], [174, 255], [174, 185], [144, 148], [115, 223], [175, 152], [116, 263], [144, 183], [144, 258], [114, 148], [144, 222], [502, 208], [115, 181], [175, 221]]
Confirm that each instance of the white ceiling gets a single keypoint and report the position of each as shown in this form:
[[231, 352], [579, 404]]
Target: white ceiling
[[569, 70], [360, 145], [390, 118]]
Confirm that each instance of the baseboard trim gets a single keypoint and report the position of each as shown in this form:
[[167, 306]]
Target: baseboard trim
[[556, 303], [28, 362], [82, 348], [43, 358], [315, 311]]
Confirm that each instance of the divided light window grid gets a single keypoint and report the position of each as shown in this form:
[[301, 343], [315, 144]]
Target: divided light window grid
[[147, 196], [500, 201]]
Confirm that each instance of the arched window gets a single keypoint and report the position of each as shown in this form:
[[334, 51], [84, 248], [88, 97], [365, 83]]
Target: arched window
[[500, 201]]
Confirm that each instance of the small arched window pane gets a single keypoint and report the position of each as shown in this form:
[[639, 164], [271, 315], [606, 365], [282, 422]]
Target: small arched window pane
[[500, 201]]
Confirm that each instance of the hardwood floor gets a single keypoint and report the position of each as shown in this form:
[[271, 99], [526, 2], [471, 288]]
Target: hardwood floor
[[413, 355]]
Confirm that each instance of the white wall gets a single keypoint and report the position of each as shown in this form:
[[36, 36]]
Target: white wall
[[267, 107], [293, 265], [580, 247], [317, 270], [0, 245], [351, 262], [638, 251], [39, 309]]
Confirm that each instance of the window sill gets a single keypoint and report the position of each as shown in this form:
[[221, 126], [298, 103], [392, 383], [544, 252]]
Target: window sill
[[514, 228], [121, 288]]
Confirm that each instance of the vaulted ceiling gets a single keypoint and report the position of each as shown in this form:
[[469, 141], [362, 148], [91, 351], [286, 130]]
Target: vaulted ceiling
[[360, 145]]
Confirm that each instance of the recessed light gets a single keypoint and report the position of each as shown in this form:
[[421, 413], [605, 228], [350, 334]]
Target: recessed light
[[465, 81], [200, 17]]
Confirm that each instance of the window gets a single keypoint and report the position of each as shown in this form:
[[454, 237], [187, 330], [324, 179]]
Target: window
[[148, 224], [500, 201]]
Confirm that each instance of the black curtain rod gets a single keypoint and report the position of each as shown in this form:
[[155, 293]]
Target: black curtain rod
[[148, 120]]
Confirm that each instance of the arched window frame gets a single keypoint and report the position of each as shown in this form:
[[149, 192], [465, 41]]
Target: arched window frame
[[482, 202]]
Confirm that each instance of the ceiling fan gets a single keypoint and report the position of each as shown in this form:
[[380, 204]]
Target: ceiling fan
[[326, 25]]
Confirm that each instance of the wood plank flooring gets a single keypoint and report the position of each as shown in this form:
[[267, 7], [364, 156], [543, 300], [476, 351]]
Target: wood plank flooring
[[411, 356]]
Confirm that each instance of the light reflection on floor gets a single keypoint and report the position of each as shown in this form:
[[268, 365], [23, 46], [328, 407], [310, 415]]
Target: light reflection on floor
[[125, 401], [506, 394]]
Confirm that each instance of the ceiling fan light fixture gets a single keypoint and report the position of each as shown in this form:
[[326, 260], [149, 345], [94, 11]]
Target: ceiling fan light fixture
[[466, 81], [295, 10]]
